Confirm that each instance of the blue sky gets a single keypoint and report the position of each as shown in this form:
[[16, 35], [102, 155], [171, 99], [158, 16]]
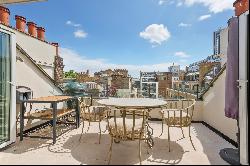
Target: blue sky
[[134, 34]]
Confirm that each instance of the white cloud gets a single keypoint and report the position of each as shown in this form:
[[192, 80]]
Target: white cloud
[[80, 34], [74, 61], [72, 24], [161, 2], [214, 6], [181, 54], [184, 25], [169, 2], [156, 33], [179, 4], [68, 22], [204, 17]]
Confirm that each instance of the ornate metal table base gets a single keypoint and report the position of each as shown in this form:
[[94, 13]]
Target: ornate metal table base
[[149, 135]]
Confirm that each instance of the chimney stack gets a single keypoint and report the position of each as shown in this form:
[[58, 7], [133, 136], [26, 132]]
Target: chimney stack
[[32, 29], [4, 15], [56, 45], [241, 6], [20, 23], [40, 33]]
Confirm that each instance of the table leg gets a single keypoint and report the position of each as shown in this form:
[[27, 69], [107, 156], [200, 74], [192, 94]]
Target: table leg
[[22, 110], [54, 122]]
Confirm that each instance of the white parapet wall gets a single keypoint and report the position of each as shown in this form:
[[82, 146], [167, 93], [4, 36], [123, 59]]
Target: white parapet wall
[[213, 109], [123, 93]]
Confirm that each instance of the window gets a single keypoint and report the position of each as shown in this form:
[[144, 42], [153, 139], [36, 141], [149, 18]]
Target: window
[[5, 87]]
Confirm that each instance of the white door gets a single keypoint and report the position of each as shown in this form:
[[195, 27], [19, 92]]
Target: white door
[[7, 89], [243, 86]]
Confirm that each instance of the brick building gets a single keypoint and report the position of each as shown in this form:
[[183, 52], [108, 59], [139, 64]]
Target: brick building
[[85, 77], [121, 82], [164, 81]]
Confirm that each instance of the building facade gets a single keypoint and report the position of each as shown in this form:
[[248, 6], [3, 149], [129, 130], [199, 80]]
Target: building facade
[[85, 77], [149, 84], [208, 70], [220, 41], [174, 69], [164, 81], [121, 82]]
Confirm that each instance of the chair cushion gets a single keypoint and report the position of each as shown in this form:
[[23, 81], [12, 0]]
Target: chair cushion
[[119, 133]]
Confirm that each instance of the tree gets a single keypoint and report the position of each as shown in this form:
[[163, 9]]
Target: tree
[[70, 74]]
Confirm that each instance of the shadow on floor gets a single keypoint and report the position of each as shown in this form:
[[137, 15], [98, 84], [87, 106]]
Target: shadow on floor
[[26, 145], [161, 155], [88, 151], [33, 144]]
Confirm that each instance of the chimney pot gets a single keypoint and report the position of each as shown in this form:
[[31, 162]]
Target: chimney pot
[[4, 15], [40, 33], [32, 28], [20, 23]]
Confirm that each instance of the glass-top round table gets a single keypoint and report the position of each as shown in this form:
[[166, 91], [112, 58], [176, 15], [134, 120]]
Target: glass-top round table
[[136, 103]]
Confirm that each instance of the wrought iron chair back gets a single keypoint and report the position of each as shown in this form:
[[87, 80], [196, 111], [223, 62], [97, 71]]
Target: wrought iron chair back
[[91, 113], [95, 115], [129, 127], [178, 113]]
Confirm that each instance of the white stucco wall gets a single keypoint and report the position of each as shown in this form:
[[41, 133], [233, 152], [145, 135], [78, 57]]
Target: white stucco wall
[[28, 75], [49, 70], [41, 52], [213, 109], [198, 111]]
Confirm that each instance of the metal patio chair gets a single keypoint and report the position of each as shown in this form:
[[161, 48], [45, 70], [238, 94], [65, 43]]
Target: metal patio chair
[[90, 114], [130, 126], [178, 113]]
